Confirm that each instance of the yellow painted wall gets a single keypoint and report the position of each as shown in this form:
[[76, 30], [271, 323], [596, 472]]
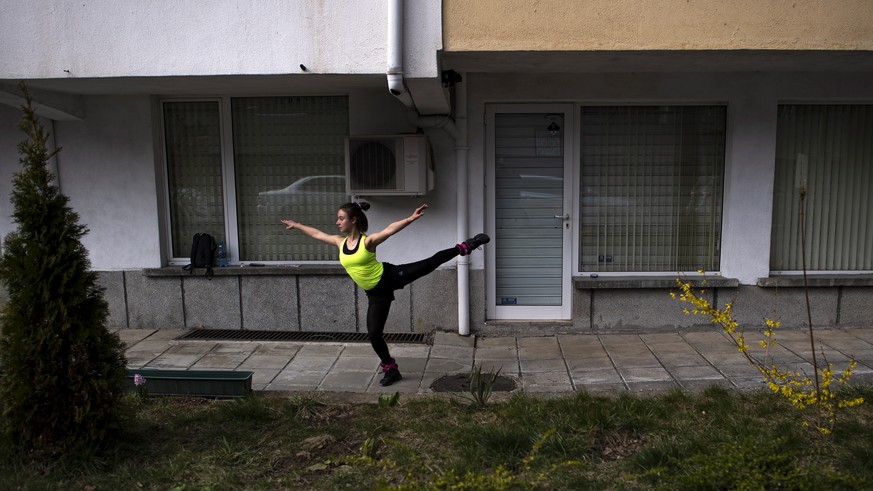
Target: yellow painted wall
[[547, 25]]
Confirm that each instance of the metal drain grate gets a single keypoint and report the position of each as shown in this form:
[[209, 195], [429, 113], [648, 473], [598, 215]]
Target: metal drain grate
[[311, 336]]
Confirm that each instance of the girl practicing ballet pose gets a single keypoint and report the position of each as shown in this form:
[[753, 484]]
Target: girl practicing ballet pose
[[357, 253]]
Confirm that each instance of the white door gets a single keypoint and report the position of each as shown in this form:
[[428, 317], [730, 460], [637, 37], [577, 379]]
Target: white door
[[529, 193]]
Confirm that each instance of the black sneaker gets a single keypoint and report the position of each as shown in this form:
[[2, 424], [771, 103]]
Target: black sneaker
[[477, 241], [391, 376]]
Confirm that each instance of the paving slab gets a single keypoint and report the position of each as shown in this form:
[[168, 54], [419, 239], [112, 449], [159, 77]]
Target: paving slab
[[497, 353], [631, 361], [305, 363], [190, 349], [671, 360], [453, 339], [165, 334], [407, 350], [546, 381], [133, 336], [596, 376], [235, 348], [282, 349], [579, 340], [446, 367], [262, 378], [583, 351], [289, 378], [543, 365], [603, 389], [645, 386], [498, 342], [347, 381], [647, 374], [616, 340], [175, 362], [360, 349], [452, 352], [265, 362], [540, 352], [220, 361], [576, 364], [409, 364], [700, 372], [139, 359], [320, 350], [155, 347], [356, 364]]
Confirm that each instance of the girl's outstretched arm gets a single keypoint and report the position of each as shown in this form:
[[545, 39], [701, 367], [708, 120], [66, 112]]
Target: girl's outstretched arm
[[334, 240], [377, 238]]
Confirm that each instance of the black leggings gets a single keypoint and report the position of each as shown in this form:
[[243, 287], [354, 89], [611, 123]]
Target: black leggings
[[381, 296]]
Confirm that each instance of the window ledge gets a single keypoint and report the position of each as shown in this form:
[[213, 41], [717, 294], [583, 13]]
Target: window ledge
[[788, 281], [627, 282], [248, 270]]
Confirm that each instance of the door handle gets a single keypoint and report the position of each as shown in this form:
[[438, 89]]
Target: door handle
[[565, 216]]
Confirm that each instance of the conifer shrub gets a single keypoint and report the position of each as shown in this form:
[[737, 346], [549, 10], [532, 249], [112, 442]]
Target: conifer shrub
[[63, 371]]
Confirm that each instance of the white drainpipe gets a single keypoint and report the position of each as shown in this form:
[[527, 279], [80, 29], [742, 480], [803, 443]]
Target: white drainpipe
[[396, 85], [458, 132]]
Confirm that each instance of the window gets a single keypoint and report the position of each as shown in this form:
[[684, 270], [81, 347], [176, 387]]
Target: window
[[651, 188], [829, 149], [282, 158]]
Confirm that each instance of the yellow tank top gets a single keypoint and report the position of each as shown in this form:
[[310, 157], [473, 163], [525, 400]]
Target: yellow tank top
[[361, 265]]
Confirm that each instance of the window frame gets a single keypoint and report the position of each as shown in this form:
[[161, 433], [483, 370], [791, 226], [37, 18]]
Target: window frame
[[577, 271], [810, 272], [231, 221]]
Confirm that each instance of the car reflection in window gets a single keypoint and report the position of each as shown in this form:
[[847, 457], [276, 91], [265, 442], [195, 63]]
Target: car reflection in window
[[329, 191]]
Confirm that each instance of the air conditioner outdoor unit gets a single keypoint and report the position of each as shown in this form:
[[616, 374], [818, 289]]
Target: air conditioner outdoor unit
[[384, 165]]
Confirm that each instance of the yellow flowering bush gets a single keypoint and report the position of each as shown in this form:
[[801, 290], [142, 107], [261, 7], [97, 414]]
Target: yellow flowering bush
[[816, 393]]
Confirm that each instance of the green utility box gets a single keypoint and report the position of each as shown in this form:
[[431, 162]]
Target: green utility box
[[204, 383]]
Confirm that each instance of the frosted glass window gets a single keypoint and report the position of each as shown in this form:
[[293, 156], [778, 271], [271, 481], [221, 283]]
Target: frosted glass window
[[651, 188], [192, 137], [289, 162], [829, 149]]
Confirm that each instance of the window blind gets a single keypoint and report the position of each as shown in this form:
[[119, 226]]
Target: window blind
[[829, 149], [651, 188]]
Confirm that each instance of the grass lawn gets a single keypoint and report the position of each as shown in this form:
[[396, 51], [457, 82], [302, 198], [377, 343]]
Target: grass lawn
[[717, 439]]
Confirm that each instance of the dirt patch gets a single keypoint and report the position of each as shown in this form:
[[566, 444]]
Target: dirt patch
[[461, 383]]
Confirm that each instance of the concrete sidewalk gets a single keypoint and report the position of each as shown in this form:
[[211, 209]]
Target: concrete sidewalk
[[567, 363]]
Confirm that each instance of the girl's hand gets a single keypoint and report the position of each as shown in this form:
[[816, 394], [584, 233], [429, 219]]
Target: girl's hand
[[289, 224], [418, 213]]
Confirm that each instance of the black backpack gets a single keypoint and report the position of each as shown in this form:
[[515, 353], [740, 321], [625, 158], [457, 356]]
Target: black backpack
[[202, 253]]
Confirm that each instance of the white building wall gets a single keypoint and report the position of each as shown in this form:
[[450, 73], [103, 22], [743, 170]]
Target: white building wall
[[48, 39], [109, 169]]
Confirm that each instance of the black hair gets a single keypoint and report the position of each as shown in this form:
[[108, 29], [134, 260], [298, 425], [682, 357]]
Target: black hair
[[355, 210]]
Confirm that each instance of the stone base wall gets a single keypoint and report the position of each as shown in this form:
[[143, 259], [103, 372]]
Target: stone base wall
[[326, 299], [646, 310]]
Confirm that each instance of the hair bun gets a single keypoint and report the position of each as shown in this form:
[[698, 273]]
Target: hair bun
[[364, 205]]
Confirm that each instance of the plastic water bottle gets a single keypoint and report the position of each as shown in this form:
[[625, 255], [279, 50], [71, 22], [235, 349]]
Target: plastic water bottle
[[222, 255]]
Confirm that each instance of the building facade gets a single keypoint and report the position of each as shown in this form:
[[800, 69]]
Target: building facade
[[607, 148]]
